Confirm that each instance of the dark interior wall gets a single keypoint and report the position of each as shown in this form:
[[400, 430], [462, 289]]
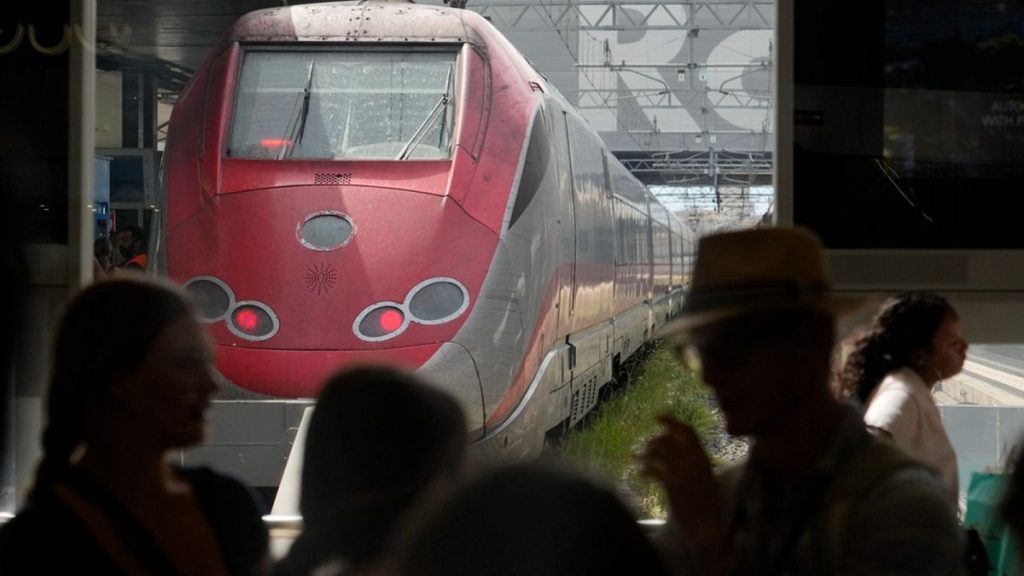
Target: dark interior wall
[[34, 80], [34, 125]]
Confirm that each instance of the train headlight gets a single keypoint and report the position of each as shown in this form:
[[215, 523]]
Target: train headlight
[[326, 231], [437, 300], [211, 296], [381, 322], [433, 301], [253, 321]]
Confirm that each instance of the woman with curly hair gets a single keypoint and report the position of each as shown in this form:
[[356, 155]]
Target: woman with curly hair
[[913, 342]]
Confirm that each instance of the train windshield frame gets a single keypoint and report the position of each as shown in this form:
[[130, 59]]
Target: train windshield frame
[[345, 103]]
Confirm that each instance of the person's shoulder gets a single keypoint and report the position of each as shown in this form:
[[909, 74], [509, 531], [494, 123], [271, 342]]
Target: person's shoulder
[[914, 479], [895, 395], [910, 492], [902, 524], [222, 495], [38, 528], [40, 516], [235, 512], [903, 380], [208, 482], [18, 537]]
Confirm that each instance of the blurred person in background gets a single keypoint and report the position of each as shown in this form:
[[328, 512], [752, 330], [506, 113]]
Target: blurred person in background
[[131, 246], [101, 263], [380, 440], [531, 519]]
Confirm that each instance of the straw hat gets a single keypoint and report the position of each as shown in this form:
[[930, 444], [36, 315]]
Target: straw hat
[[758, 270]]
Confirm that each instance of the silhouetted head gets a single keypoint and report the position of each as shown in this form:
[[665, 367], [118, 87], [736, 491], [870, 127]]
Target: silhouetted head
[[767, 369], [760, 316], [917, 330], [128, 347], [101, 248], [758, 271], [131, 240], [536, 520], [378, 438]]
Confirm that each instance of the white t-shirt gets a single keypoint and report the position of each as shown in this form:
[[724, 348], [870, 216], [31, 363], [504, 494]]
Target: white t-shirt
[[903, 406]]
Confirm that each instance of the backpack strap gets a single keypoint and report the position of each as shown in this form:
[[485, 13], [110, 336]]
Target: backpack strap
[[871, 463], [102, 529]]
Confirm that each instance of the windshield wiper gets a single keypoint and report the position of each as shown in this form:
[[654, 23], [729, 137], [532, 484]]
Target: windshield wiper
[[442, 103], [296, 130]]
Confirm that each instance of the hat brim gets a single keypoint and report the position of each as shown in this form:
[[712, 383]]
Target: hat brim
[[838, 306]]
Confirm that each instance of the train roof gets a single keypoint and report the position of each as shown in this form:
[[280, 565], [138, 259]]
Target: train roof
[[360, 21]]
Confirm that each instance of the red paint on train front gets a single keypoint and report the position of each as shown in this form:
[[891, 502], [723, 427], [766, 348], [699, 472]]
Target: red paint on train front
[[236, 219], [301, 372]]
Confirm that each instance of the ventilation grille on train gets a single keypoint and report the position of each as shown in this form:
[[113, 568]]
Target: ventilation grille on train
[[332, 178], [584, 398]]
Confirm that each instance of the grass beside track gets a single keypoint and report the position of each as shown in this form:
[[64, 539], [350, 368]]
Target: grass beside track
[[608, 440]]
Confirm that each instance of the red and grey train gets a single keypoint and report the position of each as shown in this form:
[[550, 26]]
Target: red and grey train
[[392, 182]]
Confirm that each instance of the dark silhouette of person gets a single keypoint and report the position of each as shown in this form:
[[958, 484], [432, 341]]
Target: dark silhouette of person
[[379, 441], [106, 499], [534, 519], [817, 494], [101, 263]]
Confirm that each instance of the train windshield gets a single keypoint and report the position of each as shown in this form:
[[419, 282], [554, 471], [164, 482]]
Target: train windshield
[[349, 105]]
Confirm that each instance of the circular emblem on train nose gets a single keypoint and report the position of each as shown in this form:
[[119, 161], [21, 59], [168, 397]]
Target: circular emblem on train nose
[[326, 230], [321, 278]]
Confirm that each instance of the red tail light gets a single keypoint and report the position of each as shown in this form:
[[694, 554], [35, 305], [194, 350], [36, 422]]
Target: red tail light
[[380, 322], [247, 320], [253, 321]]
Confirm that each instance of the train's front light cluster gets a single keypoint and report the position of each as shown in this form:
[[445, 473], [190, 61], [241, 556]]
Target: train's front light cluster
[[215, 301], [430, 302]]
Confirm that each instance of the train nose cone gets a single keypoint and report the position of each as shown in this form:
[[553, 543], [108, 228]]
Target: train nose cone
[[453, 370]]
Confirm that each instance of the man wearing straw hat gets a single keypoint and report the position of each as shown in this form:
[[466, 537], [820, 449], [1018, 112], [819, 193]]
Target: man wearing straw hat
[[817, 495]]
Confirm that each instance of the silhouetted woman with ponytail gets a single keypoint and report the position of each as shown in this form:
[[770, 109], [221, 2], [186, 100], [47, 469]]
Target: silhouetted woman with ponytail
[[131, 381], [912, 343]]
